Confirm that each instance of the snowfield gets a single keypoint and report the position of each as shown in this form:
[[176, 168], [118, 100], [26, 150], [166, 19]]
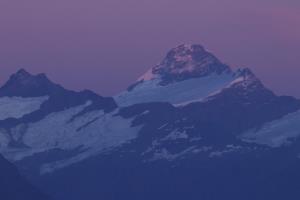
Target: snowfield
[[176, 93], [17, 107], [276, 133], [93, 132]]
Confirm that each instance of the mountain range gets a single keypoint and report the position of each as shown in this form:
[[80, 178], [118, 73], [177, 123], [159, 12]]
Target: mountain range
[[190, 128]]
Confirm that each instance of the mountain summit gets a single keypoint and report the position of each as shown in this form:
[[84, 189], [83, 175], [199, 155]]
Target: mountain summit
[[24, 84], [187, 74], [184, 62]]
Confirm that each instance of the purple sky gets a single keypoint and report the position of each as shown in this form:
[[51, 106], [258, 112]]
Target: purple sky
[[104, 45]]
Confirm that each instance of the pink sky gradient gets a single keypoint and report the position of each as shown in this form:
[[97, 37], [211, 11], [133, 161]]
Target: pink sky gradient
[[104, 45]]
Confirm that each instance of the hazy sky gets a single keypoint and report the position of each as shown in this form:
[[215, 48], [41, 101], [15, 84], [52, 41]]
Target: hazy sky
[[104, 45]]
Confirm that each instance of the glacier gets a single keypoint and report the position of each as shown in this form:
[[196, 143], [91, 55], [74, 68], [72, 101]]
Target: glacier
[[176, 93]]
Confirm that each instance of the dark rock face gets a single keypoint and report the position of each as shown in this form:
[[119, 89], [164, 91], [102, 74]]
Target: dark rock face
[[15, 187], [188, 61], [24, 84], [183, 63]]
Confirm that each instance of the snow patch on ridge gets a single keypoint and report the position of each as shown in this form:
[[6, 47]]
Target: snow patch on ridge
[[276, 133], [165, 154], [17, 107]]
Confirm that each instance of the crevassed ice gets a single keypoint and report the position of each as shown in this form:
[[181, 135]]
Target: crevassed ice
[[17, 107]]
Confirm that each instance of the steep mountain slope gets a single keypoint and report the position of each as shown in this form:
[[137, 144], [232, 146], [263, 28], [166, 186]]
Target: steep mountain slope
[[15, 187]]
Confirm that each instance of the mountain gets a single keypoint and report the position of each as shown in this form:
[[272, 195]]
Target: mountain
[[32, 123], [190, 128], [24, 84], [187, 73], [15, 187]]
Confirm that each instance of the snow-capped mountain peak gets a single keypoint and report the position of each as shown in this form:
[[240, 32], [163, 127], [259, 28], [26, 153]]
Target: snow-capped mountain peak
[[184, 62], [188, 70]]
